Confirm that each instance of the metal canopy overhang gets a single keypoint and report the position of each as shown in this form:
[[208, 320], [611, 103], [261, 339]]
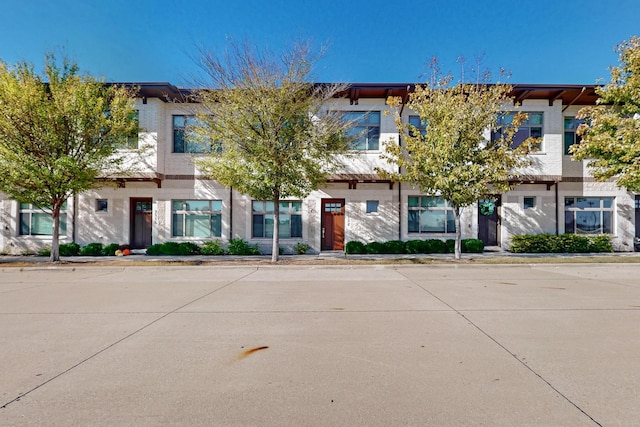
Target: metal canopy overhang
[[354, 179], [121, 182], [569, 94]]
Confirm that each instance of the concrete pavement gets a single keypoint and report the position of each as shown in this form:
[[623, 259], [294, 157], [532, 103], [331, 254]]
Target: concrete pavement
[[441, 345]]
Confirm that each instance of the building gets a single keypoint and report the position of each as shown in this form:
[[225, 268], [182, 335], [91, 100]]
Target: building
[[168, 199]]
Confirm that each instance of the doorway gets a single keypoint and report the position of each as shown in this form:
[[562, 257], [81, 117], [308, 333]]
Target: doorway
[[489, 221], [332, 223], [141, 219]]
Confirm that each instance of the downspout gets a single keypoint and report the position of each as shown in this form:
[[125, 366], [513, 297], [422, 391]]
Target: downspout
[[230, 213], [557, 213], [399, 182], [73, 221]]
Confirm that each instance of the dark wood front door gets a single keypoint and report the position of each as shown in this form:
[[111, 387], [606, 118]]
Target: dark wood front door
[[332, 224], [489, 221], [141, 220]]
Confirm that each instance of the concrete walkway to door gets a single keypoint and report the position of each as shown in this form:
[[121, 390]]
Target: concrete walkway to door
[[442, 345]]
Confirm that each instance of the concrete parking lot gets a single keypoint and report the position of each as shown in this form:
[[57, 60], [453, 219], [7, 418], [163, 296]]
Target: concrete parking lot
[[440, 345]]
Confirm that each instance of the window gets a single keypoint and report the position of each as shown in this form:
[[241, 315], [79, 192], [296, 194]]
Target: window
[[365, 129], [419, 124], [130, 141], [529, 202], [531, 128], [186, 141], [372, 206], [196, 218], [290, 219], [588, 215], [571, 136], [102, 205], [430, 215], [38, 222]]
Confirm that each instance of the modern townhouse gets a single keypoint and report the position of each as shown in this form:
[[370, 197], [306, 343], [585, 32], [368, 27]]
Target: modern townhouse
[[167, 198]]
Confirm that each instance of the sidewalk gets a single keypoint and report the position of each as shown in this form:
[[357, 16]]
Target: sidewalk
[[326, 257]]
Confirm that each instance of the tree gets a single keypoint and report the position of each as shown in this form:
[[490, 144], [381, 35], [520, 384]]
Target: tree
[[272, 134], [449, 155], [611, 130], [58, 132]]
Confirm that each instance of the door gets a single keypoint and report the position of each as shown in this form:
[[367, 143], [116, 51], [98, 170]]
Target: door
[[332, 224], [141, 219], [489, 221], [636, 243]]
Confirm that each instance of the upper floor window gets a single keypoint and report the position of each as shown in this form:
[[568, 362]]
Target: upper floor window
[[185, 141], [419, 124], [365, 129], [130, 141], [427, 214], [588, 215], [531, 128], [571, 136], [290, 219], [39, 222], [196, 218]]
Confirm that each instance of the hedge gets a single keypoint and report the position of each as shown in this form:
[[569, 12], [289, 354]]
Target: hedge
[[429, 246], [565, 243]]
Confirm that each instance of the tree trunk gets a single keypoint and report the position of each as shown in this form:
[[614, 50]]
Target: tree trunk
[[55, 234], [457, 253], [275, 250]]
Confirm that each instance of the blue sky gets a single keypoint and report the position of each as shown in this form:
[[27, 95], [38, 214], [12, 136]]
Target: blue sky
[[541, 41]]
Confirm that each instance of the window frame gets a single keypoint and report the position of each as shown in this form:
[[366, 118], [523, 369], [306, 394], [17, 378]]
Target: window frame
[[213, 213], [30, 212], [98, 207], [532, 204], [525, 127], [187, 146], [601, 214], [572, 132], [423, 206], [369, 206], [418, 123], [368, 130], [261, 211]]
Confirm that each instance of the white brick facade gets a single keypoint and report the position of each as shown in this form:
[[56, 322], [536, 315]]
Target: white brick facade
[[162, 176]]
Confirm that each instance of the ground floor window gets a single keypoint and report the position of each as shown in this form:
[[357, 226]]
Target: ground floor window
[[588, 215], [290, 219], [427, 214], [39, 222], [196, 218]]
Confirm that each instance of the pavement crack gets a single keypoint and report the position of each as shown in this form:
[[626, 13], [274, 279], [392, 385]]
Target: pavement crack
[[504, 348], [86, 359]]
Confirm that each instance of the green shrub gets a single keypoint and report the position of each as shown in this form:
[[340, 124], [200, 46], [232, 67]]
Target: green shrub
[[188, 248], [69, 249], [374, 248], [110, 249], [450, 245], [355, 247], [472, 246], [415, 246], [435, 246], [241, 247], [154, 250], [212, 248], [44, 252], [170, 248], [600, 243], [92, 249], [301, 248], [393, 247], [565, 243]]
